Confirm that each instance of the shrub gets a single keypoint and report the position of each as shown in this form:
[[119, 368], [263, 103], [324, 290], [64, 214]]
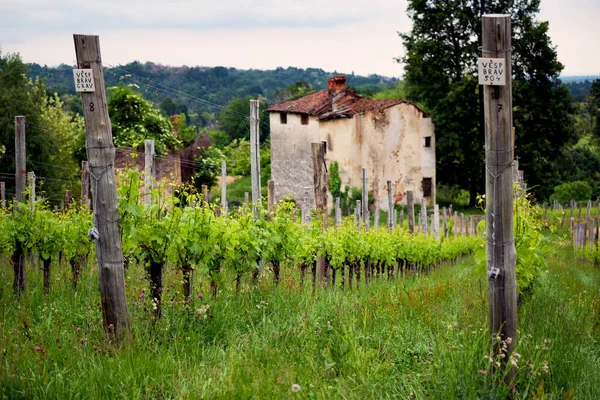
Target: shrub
[[577, 190]]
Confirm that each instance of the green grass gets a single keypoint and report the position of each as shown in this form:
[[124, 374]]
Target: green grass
[[421, 337]]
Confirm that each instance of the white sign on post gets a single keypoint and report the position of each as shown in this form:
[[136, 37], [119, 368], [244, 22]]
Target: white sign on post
[[84, 80], [492, 71]]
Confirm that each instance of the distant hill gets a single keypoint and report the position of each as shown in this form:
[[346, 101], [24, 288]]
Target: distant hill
[[579, 86], [579, 78], [205, 89]]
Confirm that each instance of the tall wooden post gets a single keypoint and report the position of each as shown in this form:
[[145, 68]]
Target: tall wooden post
[[85, 185], [101, 156], [436, 221], [365, 199], [2, 195], [149, 171], [321, 184], [254, 154], [17, 258], [246, 198], [338, 212], [455, 223], [499, 144], [410, 201], [390, 219], [223, 186], [271, 196], [424, 216], [68, 198], [445, 221], [31, 183]]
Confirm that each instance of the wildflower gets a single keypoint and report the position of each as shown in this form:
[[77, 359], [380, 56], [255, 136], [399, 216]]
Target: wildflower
[[142, 295], [126, 285], [295, 387], [547, 340], [111, 326], [330, 387], [143, 289], [38, 348], [200, 296], [482, 372], [508, 340], [78, 329], [545, 366]]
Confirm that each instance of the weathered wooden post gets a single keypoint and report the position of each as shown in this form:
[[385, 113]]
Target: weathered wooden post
[[436, 221], [2, 195], [321, 184], [223, 186], [255, 155], [357, 220], [68, 199], [101, 156], [338, 212], [592, 230], [588, 210], [85, 185], [455, 223], [149, 171], [499, 145], [271, 196], [365, 199], [246, 198], [424, 216], [411, 211], [17, 258], [305, 212], [31, 183], [390, 219], [445, 221], [376, 217]]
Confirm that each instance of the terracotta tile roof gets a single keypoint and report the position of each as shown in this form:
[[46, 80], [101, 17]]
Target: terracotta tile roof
[[347, 104]]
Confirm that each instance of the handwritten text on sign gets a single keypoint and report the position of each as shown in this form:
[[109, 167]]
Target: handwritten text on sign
[[492, 71], [84, 80]]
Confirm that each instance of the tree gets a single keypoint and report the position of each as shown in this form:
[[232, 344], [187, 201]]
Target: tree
[[235, 119], [134, 119], [440, 74], [51, 134]]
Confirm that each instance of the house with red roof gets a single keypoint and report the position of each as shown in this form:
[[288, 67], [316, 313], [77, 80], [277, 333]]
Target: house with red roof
[[393, 139]]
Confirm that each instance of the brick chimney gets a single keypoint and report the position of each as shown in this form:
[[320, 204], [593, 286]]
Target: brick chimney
[[337, 83]]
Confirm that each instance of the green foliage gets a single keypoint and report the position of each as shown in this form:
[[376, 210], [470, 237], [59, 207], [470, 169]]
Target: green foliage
[[170, 108], [440, 74], [185, 132], [235, 119], [208, 167], [52, 135], [578, 191], [134, 120], [237, 154], [218, 138]]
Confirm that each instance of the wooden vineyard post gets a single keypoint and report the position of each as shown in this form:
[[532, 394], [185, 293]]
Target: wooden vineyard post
[[246, 198], [149, 171], [321, 183], [101, 156], [338, 212], [445, 221], [223, 186], [425, 228], [410, 201], [588, 210], [435, 223], [68, 199], [254, 155], [455, 222], [85, 185], [2, 195], [499, 146], [365, 199], [31, 183], [376, 217], [17, 258], [390, 219], [271, 196]]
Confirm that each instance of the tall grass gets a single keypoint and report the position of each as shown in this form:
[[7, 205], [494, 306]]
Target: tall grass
[[420, 337]]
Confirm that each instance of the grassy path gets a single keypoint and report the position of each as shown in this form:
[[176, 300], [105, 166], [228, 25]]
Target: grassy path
[[421, 337]]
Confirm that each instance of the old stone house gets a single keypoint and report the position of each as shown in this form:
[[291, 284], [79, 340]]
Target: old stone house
[[393, 139]]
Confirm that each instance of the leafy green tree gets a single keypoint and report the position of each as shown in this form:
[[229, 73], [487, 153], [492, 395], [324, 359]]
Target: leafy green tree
[[440, 74], [235, 119], [51, 133], [169, 107], [208, 167], [134, 119], [578, 190]]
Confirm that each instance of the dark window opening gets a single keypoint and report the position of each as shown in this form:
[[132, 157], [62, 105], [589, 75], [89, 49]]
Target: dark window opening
[[426, 185], [324, 147], [304, 119], [427, 141], [283, 118]]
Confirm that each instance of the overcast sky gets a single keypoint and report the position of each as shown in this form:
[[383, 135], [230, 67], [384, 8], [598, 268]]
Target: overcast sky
[[346, 36]]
